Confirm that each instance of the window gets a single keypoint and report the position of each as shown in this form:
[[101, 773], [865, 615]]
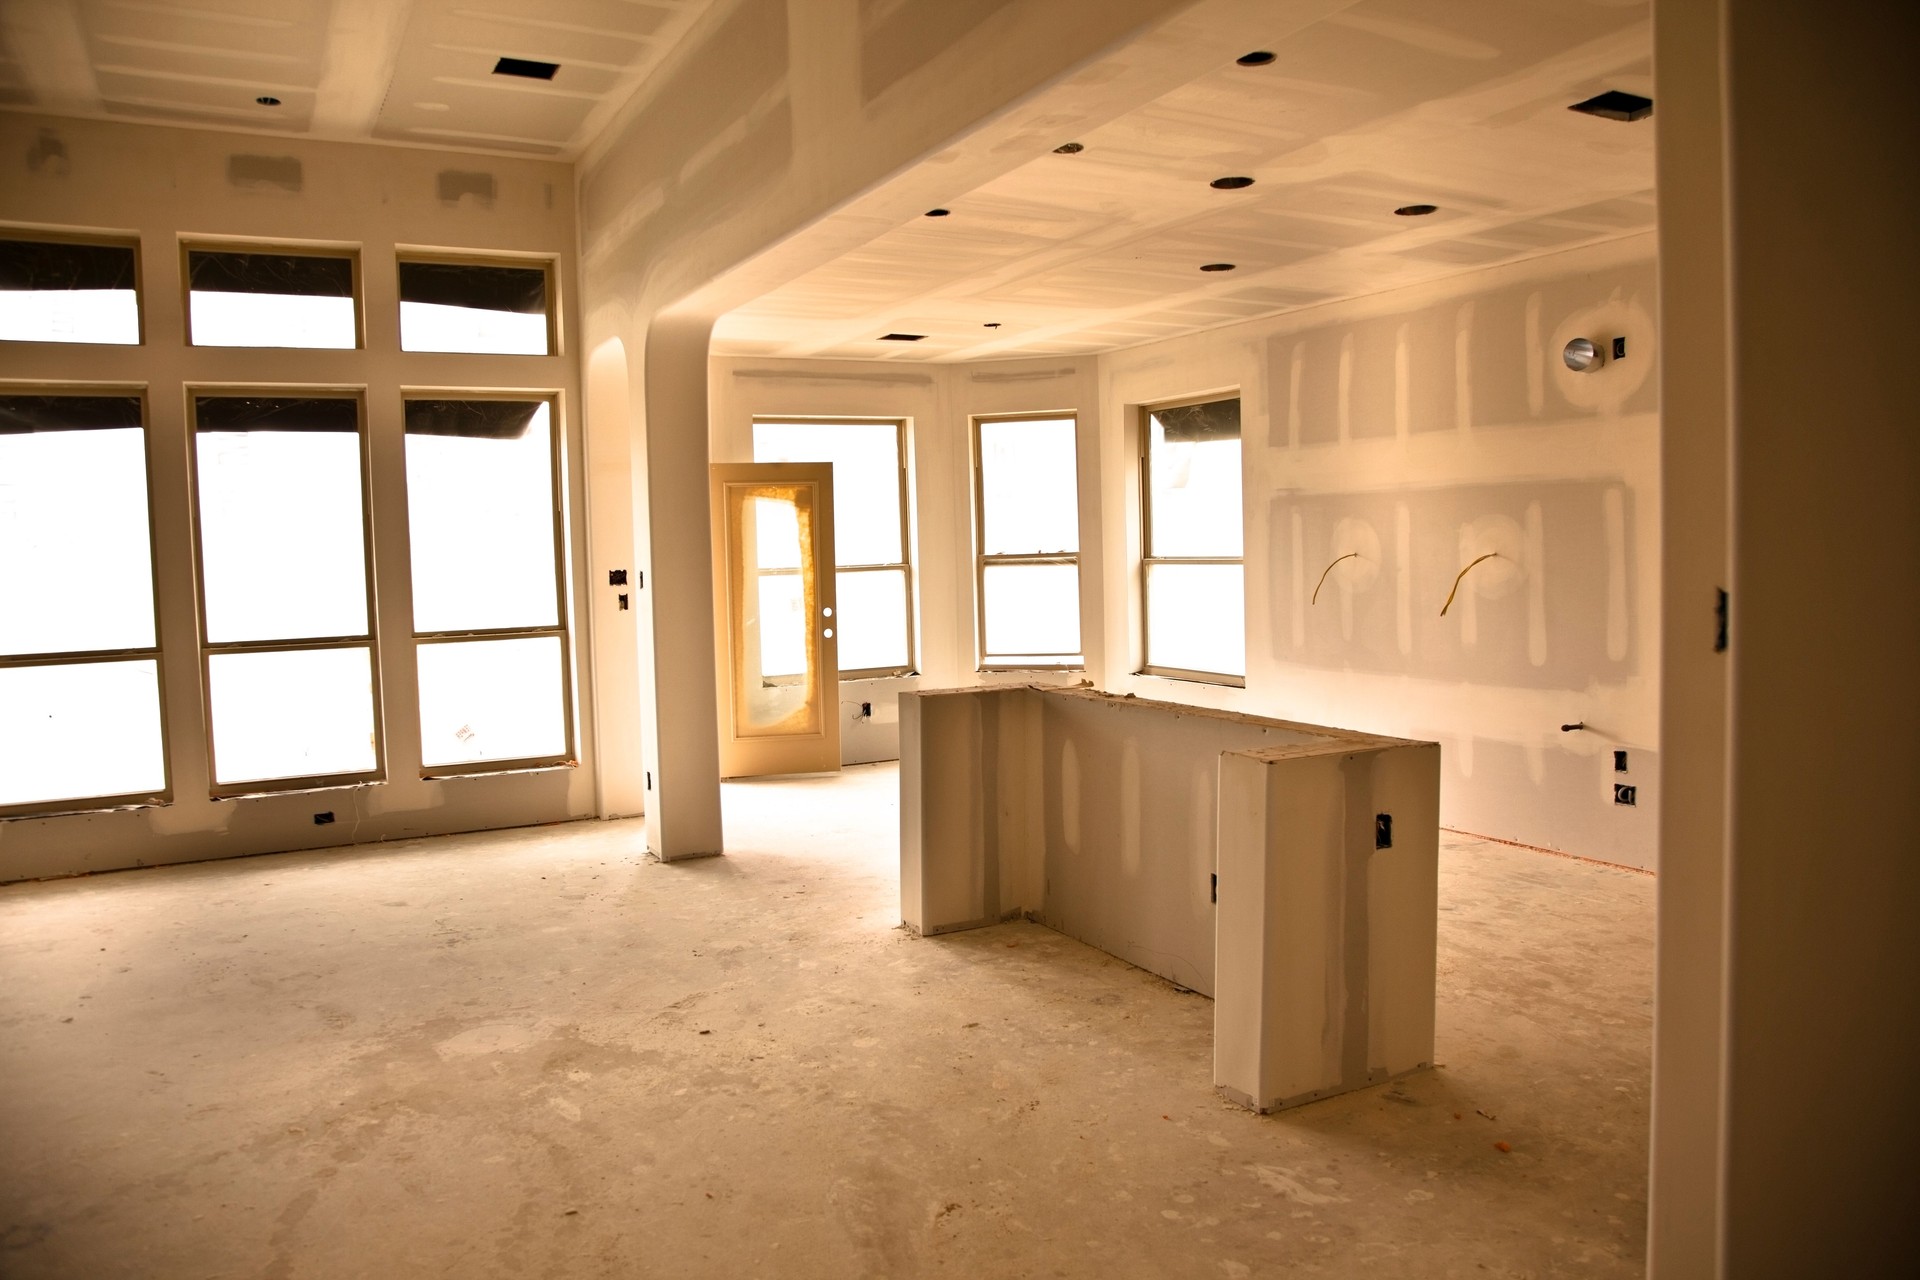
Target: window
[[1194, 583], [271, 298], [286, 611], [491, 308], [484, 523], [69, 291], [79, 665], [1027, 514], [874, 581]]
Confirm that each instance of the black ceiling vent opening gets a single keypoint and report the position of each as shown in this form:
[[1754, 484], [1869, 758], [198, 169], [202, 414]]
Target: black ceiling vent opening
[[1615, 105], [525, 68], [901, 337]]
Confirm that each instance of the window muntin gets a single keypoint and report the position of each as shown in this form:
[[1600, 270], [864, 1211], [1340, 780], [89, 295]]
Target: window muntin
[[80, 705], [1028, 521], [477, 307], [1194, 581], [286, 605], [873, 581], [485, 524], [272, 298], [69, 291]]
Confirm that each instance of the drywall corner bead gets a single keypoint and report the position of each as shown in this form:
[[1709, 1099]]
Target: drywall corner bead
[[457, 187], [48, 156], [256, 172]]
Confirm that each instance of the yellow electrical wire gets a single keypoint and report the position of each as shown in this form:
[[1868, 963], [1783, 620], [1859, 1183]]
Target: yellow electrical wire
[[1323, 575], [1456, 580]]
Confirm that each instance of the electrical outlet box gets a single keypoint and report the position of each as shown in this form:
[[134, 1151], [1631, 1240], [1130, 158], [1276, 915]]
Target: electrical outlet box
[[1624, 794], [1213, 894], [1383, 831], [1619, 348], [322, 819], [616, 577], [1619, 762]]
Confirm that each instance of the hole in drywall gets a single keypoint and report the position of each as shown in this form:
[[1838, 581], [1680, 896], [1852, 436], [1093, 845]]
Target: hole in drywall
[[1416, 210], [901, 337], [939, 213], [991, 324], [1615, 105], [1258, 58], [1069, 149], [1230, 184], [457, 187], [525, 68], [267, 100], [1218, 266]]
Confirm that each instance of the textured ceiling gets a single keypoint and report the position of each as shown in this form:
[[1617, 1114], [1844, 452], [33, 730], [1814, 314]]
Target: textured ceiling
[[1388, 103], [410, 71]]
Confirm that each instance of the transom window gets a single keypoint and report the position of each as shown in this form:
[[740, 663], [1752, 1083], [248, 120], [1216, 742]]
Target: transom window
[[1027, 517], [80, 709], [271, 298], [494, 308], [57, 290], [1194, 579], [874, 581]]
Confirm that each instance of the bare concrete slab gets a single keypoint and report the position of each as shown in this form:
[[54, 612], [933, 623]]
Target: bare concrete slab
[[537, 1053]]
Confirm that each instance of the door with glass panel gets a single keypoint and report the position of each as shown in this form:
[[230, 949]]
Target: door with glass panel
[[778, 683]]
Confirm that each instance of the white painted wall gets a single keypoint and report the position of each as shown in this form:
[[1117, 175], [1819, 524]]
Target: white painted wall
[[163, 185], [1439, 418]]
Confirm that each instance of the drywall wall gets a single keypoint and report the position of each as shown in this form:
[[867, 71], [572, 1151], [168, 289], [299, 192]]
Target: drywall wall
[[778, 137], [1114, 820], [1423, 428], [938, 402], [165, 184], [1822, 1008]]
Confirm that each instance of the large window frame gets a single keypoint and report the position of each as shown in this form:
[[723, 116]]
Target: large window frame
[[280, 248], [142, 799], [904, 566], [982, 560], [210, 649], [544, 264], [1144, 428], [569, 754]]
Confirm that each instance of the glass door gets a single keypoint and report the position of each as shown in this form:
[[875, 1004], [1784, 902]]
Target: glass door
[[773, 590]]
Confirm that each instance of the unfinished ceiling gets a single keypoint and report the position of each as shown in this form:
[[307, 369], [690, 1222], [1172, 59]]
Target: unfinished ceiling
[[1387, 104], [407, 71]]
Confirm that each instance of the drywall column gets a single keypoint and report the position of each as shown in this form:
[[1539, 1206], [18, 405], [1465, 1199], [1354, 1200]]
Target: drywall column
[[679, 725], [1682, 1228], [1823, 1010], [1324, 954]]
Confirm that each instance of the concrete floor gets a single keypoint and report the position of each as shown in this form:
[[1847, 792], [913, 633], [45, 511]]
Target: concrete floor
[[536, 1054]]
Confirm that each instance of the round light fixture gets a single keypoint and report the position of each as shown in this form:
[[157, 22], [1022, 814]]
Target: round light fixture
[[1218, 266], [267, 100], [1230, 184], [1258, 58], [1416, 210], [1582, 355]]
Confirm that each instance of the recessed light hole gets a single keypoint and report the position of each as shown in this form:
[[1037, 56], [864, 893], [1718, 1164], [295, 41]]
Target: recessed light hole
[[1069, 149], [1258, 58], [939, 213], [267, 100], [1230, 184], [1218, 266], [1416, 210], [901, 337]]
